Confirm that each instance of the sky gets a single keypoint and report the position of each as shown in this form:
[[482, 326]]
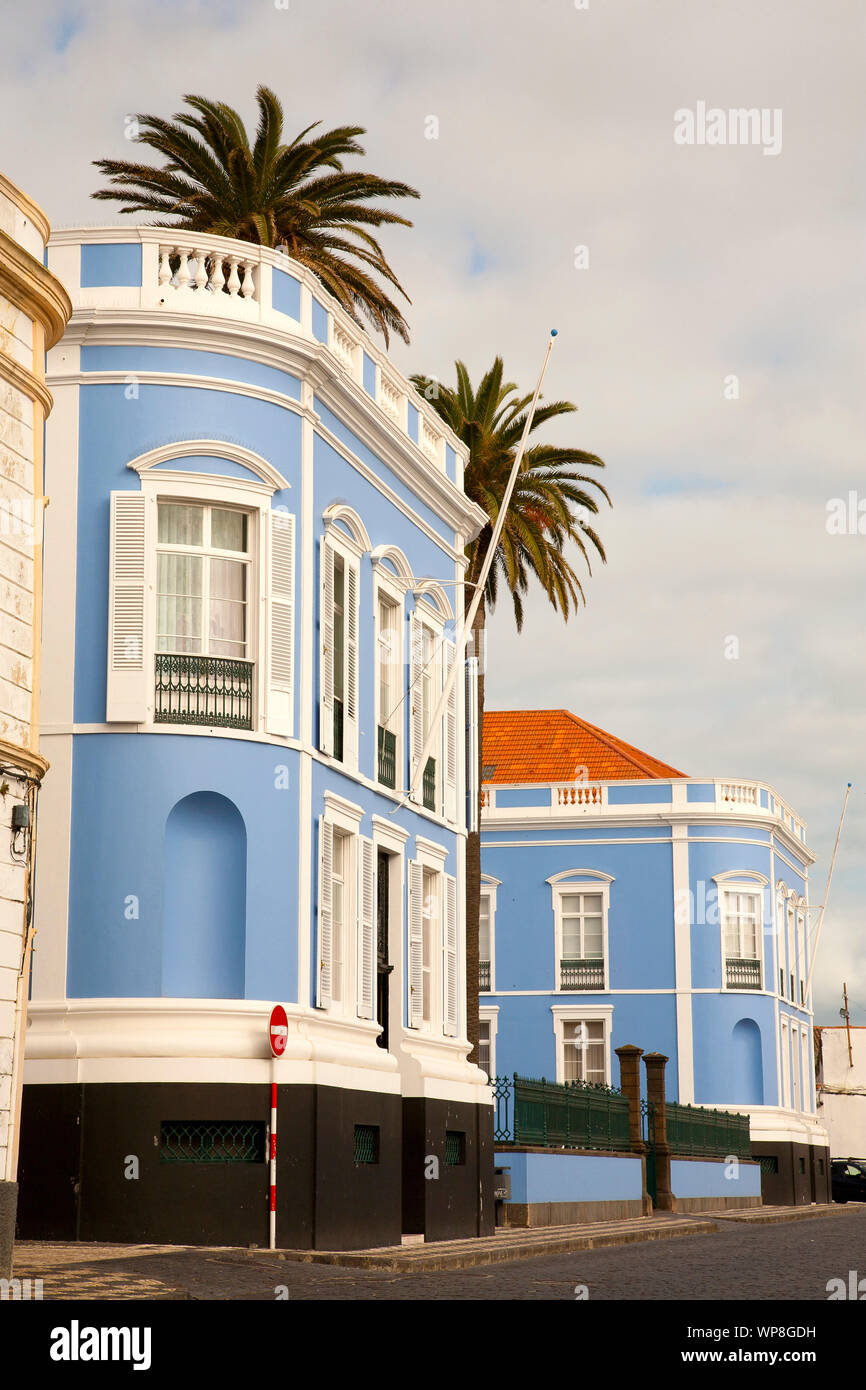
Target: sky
[[710, 331]]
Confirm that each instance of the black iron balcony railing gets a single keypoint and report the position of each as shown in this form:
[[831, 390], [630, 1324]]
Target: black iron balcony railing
[[484, 974], [581, 974], [429, 785], [387, 758], [338, 730], [211, 690], [743, 974]]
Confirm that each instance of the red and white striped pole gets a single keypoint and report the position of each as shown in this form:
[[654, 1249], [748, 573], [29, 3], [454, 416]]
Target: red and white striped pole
[[278, 1037], [272, 1230]]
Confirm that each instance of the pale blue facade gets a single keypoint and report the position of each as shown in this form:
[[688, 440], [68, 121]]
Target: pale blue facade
[[668, 861], [256, 526]]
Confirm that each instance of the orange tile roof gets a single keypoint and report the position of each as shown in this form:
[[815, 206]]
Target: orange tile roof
[[553, 745]]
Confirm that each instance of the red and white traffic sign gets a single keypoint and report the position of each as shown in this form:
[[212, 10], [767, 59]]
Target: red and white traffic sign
[[278, 1030]]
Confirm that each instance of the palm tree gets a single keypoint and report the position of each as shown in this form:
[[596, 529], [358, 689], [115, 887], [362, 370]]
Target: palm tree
[[549, 509], [298, 195]]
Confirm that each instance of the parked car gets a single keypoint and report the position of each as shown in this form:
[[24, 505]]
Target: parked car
[[848, 1179]]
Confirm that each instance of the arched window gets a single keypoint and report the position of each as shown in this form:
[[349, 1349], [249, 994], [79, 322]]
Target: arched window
[[204, 913]]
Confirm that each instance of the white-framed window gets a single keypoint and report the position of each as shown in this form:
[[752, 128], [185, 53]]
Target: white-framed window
[[741, 915], [583, 1042], [796, 1066], [201, 604], [785, 1046], [581, 901], [488, 1023], [781, 899], [431, 659], [808, 1070], [390, 703], [790, 936], [741, 923], [801, 952], [339, 616], [487, 934], [433, 976], [203, 564], [346, 915]]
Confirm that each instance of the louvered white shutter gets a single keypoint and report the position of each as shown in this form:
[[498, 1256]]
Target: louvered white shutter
[[449, 958], [326, 651], [281, 619], [471, 711], [416, 944], [416, 708], [449, 738], [325, 940], [366, 954], [129, 663], [350, 713]]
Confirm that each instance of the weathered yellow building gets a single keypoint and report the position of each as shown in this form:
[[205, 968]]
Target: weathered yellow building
[[34, 310]]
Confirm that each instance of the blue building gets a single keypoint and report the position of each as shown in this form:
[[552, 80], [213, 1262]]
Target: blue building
[[623, 902], [255, 547]]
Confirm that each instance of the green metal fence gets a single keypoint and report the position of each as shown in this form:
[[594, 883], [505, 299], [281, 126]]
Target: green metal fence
[[696, 1132], [573, 1115], [584, 1115]]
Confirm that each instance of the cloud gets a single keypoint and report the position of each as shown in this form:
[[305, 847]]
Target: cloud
[[556, 131]]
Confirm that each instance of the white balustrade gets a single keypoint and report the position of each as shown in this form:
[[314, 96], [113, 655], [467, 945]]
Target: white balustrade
[[430, 440], [198, 272], [344, 345], [390, 398], [221, 276], [739, 793], [580, 794]]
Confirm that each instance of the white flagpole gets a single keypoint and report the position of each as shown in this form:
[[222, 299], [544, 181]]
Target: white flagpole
[[814, 950], [469, 619]]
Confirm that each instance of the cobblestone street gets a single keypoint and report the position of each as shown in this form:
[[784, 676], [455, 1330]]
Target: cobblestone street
[[740, 1262]]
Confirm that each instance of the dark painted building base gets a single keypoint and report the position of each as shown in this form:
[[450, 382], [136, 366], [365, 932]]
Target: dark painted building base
[[793, 1174], [8, 1203], [146, 1163], [447, 1169]]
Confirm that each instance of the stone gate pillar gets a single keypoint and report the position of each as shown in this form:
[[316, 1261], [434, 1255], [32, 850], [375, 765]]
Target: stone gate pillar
[[655, 1064], [629, 1083]]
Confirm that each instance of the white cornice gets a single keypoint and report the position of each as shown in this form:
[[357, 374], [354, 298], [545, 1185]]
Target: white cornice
[[300, 356], [358, 540], [434, 595], [577, 874], [423, 845], [217, 448], [397, 559], [494, 822], [287, 403], [339, 804]]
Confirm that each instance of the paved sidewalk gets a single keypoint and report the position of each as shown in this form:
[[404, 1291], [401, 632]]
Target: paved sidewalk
[[506, 1244], [512, 1244], [785, 1257], [766, 1216]]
